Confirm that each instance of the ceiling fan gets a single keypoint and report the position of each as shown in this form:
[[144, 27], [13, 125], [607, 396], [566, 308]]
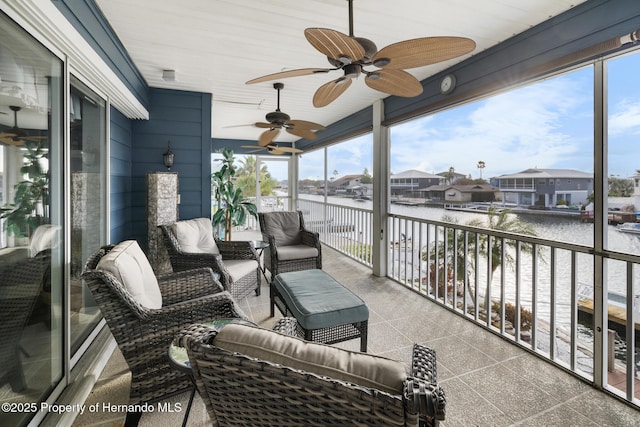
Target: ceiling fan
[[274, 148], [351, 54], [15, 135], [278, 120]]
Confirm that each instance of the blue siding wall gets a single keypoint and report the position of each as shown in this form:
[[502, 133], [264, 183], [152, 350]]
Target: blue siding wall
[[87, 19], [184, 118], [120, 192]]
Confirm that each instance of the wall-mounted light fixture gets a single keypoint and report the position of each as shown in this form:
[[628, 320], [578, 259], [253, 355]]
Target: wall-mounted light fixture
[[168, 157]]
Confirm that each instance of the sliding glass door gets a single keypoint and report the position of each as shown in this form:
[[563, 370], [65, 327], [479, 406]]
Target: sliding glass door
[[32, 356]]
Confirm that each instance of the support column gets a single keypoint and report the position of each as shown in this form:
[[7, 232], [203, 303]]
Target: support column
[[600, 299], [294, 175], [381, 167], [162, 208]]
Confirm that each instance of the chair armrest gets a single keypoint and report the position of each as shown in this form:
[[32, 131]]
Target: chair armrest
[[287, 326], [270, 239], [191, 260], [423, 363], [236, 249], [209, 307], [194, 335], [310, 238], [425, 399], [188, 284], [424, 391], [271, 253]]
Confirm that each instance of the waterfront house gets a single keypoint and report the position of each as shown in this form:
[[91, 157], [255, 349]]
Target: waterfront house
[[546, 187], [344, 185], [408, 183], [462, 193], [100, 97]]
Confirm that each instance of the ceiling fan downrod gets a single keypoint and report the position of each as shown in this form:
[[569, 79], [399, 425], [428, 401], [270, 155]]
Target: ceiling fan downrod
[[350, 18], [278, 117]]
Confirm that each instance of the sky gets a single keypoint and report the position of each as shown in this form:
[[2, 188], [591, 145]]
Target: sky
[[547, 124]]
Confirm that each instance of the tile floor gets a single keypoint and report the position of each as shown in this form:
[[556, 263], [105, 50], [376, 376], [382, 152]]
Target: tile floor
[[488, 381]]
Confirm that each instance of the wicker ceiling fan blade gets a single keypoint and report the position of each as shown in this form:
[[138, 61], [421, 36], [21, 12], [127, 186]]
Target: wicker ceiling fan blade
[[303, 124], [334, 44], [328, 92], [394, 82], [288, 149], [8, 135], [290, 73], [267, 136], [422, 51], [10, 140], [302, 133], [253, 146], [264, 125]]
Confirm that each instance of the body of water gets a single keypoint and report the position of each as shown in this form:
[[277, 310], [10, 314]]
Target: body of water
[[553, 228]]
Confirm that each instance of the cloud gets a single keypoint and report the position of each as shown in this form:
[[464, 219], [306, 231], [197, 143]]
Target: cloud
[[523, 128], [547, 124], [625, 118]]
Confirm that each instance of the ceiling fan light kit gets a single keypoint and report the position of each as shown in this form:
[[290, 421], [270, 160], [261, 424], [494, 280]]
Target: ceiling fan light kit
[[273, 148], [352, 54], [277, 120]]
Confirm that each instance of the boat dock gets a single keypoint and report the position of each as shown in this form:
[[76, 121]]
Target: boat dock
[[617, 317]]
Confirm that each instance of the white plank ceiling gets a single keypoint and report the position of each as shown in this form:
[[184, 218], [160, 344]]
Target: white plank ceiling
[[215, 46]]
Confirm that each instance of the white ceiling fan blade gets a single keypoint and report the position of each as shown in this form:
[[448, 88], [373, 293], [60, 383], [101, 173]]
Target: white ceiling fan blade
[[290, 73]]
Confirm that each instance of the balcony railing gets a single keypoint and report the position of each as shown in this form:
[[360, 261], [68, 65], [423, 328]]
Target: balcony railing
[[534, 292], [346, 229]]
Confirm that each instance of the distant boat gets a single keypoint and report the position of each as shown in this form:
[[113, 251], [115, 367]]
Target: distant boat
[[629, 227]]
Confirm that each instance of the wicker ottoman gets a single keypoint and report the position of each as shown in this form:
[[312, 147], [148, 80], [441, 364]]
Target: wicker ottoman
[[325, 311]]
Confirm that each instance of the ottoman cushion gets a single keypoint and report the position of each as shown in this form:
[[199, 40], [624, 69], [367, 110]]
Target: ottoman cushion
[[318, 301]]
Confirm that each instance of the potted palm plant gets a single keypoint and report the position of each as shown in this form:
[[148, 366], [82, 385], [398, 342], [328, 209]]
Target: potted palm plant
[[30, 202], [232, 207]]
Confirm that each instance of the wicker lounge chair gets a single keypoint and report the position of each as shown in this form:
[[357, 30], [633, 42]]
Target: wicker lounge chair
[[21, 284], [144, 334], [255, 377], [235, 261], [291, 246]]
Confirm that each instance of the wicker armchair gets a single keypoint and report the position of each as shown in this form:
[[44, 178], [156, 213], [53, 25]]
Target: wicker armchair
[[251, 376], [236, 261], [144, 335], [291, 246], [21, 284]]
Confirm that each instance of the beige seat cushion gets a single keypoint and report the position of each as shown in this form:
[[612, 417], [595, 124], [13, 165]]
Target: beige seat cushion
[[239, 268], [195, 236], [284, 227], [130, 266], [286, 253], [358, 368]]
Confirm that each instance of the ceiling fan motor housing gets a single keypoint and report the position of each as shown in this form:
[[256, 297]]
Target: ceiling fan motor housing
[[277, 117], [370, 48]]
